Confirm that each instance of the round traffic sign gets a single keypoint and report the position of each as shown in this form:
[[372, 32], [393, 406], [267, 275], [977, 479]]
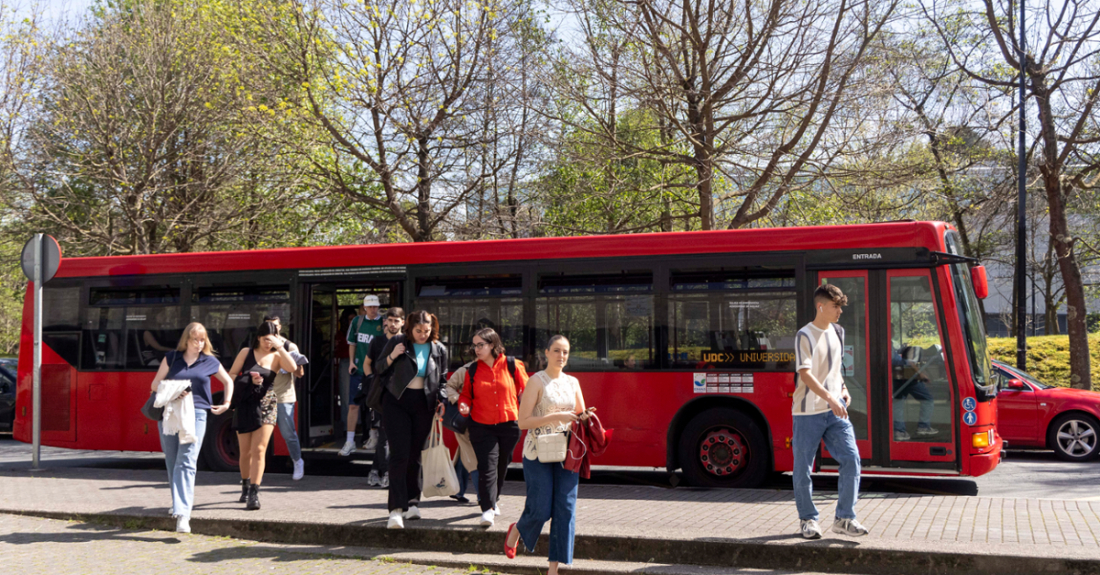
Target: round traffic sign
[[51, 258]]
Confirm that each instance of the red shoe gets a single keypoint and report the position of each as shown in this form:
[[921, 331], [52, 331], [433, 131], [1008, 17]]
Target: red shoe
[[510, 552]]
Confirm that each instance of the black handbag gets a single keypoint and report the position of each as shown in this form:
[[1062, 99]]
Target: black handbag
[[154, 413], [374, 396], [454, 420]]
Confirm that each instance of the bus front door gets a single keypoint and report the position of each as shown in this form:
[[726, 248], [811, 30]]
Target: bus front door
[[332, 307]]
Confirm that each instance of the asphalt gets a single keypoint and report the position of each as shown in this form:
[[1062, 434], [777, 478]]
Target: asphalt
[[626, 525]]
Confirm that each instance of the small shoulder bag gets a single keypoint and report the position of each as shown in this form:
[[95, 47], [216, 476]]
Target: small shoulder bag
[[552, 447]]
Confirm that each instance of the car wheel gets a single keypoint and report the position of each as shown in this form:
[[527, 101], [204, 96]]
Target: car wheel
[[1074, 437], [723, 447]]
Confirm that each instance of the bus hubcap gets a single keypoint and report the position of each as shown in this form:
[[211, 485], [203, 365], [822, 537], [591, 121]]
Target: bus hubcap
[[723, 452], [228, 448], [1076, 437]]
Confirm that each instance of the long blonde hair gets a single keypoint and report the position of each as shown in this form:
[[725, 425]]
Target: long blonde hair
[[190, 331]]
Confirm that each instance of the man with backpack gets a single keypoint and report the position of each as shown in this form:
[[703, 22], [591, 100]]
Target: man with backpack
[[820, 411], [361, 332]]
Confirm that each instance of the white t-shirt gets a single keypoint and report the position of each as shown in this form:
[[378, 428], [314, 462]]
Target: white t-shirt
[[822, 352]]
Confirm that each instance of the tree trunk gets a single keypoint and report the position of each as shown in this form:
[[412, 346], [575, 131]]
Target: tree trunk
[[1072, 282]]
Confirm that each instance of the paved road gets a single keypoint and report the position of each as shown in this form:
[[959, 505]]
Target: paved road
[[1023, 474]]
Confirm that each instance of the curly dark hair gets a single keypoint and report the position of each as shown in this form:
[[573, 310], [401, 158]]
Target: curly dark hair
[[829, 292]]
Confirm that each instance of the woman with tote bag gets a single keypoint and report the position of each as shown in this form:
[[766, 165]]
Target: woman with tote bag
[[550, 405], [412, 370]]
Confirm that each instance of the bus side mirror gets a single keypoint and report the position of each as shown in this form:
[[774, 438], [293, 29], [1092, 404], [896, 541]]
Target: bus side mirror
[[980, 281]]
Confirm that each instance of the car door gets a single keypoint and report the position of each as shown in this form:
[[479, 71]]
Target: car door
[[7, 399], [1017, 411]]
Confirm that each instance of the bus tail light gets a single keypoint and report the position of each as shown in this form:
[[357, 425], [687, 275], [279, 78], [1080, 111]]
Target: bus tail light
[[980, 281], [983, 439]]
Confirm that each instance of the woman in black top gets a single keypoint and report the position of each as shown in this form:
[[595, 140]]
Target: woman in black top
[[412, 368], [255, 404]]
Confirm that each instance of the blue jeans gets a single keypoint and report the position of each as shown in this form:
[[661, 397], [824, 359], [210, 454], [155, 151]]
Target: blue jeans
[[181, 461], [463, 476], [285, 420], [840, 440], [551, 495], [918, 391]]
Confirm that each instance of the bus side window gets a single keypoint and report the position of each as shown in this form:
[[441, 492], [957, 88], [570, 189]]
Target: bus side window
[[732, 319], [130, 328], [608, 319]]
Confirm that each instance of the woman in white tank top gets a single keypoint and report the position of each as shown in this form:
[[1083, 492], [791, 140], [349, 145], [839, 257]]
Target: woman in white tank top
[[550, 404]]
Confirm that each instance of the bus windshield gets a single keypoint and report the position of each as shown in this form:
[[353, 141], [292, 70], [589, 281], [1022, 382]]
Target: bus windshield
[[973, 327]]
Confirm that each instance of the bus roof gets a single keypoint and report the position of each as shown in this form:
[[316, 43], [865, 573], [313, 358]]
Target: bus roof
[[884, 235]]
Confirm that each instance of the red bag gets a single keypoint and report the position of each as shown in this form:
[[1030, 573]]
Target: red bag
[[588, 439]]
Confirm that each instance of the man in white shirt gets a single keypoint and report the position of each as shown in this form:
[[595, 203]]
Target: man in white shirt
[[820, 412]]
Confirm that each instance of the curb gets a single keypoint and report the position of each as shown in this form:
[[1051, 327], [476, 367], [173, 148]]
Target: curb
[[701, 552]]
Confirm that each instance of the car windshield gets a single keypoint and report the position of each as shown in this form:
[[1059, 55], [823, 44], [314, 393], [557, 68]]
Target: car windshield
[[973, 327], [1013, 373]]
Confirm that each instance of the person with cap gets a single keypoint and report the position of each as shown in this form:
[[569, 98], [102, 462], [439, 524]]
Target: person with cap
[[361, 332]]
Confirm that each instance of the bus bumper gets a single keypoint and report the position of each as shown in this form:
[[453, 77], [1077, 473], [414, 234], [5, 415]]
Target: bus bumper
[[982, 463]]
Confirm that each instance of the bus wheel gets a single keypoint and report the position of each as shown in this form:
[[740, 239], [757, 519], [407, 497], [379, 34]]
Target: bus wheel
[[1074, 437], [220, 449], [723, 447]]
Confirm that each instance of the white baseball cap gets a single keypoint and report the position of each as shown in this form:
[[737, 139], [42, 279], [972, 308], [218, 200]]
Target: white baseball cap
[[371, 300]]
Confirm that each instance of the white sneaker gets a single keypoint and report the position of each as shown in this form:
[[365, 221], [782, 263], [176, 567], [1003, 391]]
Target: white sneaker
[[299, 470], [372, 479], [395, 522], [810, 529], [372, 440], [849, 527], [901, 436], [927, 431], [496, 509], [385, 482], [413, 513], [183, 524], [487, 518], [348, 447]]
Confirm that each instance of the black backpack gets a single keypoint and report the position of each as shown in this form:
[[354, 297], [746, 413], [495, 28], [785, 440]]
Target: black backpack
[[470, 371]]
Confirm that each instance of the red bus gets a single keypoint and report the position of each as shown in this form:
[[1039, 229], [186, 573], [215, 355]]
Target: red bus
[[684, 341]]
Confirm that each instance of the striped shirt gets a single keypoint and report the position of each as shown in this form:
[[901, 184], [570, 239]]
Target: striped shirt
[[822, 352]]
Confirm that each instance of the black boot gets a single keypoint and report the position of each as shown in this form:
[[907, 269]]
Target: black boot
[[244, 491], [253, 497]]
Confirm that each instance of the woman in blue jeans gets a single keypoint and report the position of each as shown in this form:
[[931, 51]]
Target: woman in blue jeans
[[193, 359], [550, 404]]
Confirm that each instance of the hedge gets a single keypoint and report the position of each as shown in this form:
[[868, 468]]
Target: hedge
[[1047, 357]]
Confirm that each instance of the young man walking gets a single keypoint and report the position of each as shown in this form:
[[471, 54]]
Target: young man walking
[[821, 413], [361, 332], [391, 326]]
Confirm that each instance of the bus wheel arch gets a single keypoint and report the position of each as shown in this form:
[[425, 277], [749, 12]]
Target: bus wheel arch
[[730, 426]]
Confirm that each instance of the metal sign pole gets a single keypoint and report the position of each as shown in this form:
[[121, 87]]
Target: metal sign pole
[[36, 394]]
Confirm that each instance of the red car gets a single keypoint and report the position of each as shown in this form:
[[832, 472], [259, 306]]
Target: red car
[[1032, 414]]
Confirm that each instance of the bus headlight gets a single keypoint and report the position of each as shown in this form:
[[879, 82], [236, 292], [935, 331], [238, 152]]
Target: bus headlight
[[983, 439]]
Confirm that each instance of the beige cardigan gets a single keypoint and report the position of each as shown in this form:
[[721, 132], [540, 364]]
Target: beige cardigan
[[465, 448]]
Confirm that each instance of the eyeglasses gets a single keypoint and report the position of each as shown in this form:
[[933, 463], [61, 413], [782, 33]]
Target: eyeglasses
[[480, 345]]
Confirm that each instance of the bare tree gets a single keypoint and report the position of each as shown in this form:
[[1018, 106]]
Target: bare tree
[[1063, 82], [404, 95], [746, 92]]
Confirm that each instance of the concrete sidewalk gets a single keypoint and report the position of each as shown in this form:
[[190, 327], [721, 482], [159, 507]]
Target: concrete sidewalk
[[742, 528]]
